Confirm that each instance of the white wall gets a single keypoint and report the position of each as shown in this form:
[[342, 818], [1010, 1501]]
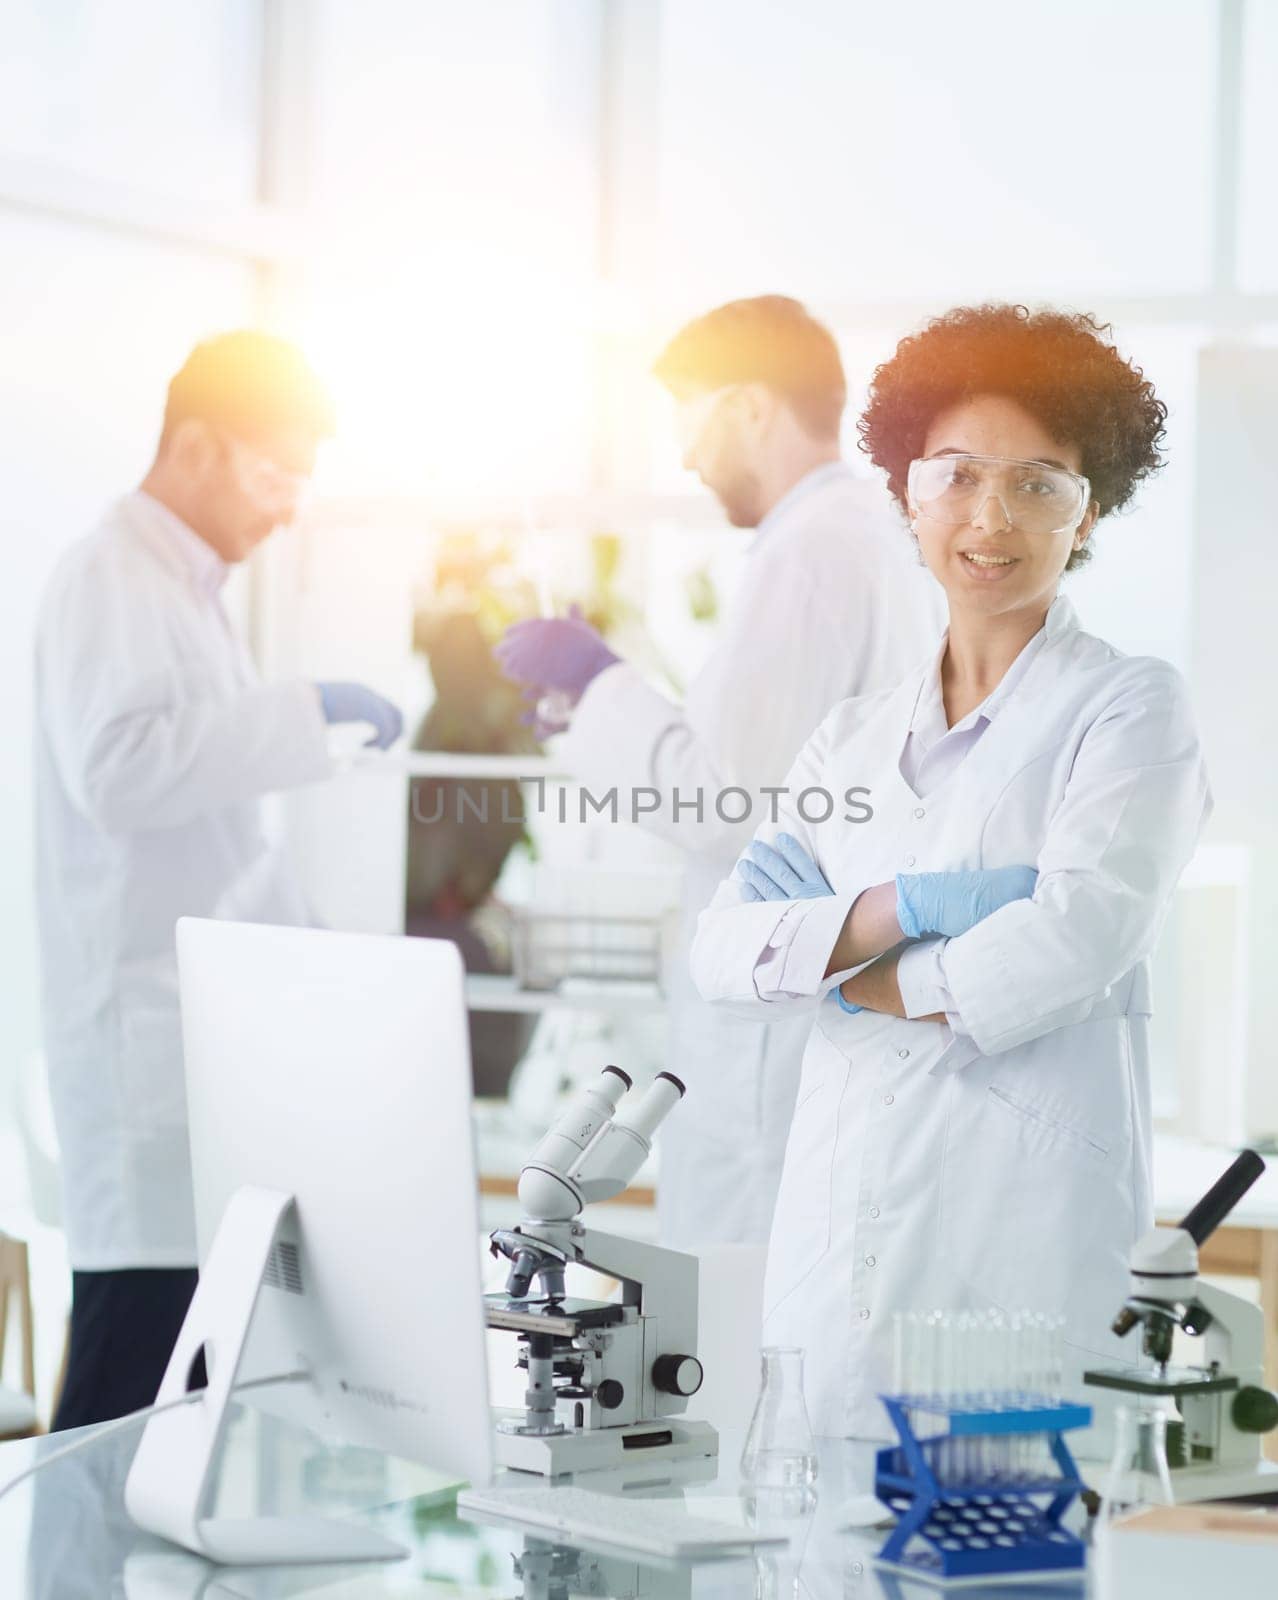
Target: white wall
[[1236, 620]]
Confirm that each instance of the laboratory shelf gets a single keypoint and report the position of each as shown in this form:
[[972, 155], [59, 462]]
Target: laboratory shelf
[[453, 764], [487, 992]]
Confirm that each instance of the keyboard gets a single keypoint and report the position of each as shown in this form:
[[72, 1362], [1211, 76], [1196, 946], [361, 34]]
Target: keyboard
[[582, 1516]]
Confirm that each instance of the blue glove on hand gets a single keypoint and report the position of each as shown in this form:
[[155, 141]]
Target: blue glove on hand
[[952, 902], [353, 702], [784, 871], [562, 653]]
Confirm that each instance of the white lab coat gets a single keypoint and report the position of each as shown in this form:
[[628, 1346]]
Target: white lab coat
[[833, 601], [154, 742], [1003, 1158]]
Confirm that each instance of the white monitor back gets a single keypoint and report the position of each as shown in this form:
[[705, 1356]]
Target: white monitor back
[[336, 1067]]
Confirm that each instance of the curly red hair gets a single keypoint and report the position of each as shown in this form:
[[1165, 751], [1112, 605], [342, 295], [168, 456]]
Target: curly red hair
[[1060, 367]]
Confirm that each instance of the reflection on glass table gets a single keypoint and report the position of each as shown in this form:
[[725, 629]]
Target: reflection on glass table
[[64, 1535]]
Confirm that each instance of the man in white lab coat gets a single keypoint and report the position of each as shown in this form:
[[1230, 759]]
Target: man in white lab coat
[[832, 602], [155, 743]]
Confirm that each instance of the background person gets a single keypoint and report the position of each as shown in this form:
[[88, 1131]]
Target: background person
[[832, 602], [975, 1131], [155, 742]]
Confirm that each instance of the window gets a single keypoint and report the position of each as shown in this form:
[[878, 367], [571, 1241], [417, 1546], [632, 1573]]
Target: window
[[162, 95], [966, 150]]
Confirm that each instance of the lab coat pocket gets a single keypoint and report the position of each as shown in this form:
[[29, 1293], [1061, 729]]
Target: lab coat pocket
[[801, 1223], [1023, 1198]]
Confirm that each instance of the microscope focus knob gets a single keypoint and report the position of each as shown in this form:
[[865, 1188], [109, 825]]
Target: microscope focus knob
[[674, 1374], [1254, 1410]]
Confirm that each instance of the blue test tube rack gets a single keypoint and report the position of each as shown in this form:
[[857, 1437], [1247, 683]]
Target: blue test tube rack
[[978, 1526]]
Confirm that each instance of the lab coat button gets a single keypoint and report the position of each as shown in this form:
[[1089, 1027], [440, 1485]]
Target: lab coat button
[[918, 811], [874, 1211], [888, 1099], [909, 861], [870, 1260], [904, 1054], [864, 1313]]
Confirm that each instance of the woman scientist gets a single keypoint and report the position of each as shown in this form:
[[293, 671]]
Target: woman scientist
[[977, 864]]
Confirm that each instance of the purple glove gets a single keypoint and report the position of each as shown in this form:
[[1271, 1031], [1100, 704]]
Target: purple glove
[[563, 653]]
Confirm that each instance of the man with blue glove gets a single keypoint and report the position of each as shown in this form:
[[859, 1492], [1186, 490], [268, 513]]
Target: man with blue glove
[[155, 744], [831, 602]]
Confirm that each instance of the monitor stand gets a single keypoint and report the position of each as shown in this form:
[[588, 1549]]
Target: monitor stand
[[172, 1475]]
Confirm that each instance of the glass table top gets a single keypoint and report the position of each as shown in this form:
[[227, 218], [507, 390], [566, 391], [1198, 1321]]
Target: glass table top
[[65, 1535]]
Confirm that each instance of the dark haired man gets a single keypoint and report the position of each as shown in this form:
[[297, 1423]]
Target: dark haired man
[[155, 744], [831, 603]]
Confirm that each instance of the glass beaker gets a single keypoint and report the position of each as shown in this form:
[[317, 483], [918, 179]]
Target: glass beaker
[[780, 1452]]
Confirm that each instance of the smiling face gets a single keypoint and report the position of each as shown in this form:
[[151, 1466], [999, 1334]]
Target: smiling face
[[986, 564]]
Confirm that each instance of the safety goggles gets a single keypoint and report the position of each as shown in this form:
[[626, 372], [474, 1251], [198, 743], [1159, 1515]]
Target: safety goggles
[[1035, 498], [692, 416], [262, 478]]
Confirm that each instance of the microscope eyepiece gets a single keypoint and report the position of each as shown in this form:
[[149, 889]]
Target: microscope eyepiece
[[1202, 1220]]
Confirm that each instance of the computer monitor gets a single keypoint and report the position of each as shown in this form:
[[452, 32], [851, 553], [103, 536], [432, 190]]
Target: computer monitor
[[333, 1068]]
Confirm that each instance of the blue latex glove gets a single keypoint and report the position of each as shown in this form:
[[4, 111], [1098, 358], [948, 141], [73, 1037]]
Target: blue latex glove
[[354, 702], [562, 653], [952, 902], [784, 871]]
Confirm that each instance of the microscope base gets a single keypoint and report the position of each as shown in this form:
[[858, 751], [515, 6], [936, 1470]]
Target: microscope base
[[1189, 1487], [587, 1449]]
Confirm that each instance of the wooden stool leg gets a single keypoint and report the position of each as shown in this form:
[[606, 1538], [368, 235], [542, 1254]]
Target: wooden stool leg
[[1269, 1301]]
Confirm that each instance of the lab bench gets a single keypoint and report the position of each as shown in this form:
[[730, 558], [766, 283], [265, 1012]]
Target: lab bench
[[64, 1535]]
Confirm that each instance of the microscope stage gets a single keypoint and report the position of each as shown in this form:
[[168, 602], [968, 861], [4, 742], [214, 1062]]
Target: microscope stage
[[1176, 1380], [566, 1318]]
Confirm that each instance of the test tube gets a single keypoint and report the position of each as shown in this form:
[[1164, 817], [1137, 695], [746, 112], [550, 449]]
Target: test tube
[[970, 1455], [1016, 1399], [995, 1379], [900, 1358], [905, 1363]]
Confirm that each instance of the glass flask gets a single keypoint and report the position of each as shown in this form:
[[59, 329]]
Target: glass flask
[[1138, 1472], [779, 1450], [555, 709], [789, 1513], [1138, 1476]]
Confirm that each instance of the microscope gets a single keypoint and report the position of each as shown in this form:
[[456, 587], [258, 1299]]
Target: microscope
[[1214, 1446], [608, 1381]]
